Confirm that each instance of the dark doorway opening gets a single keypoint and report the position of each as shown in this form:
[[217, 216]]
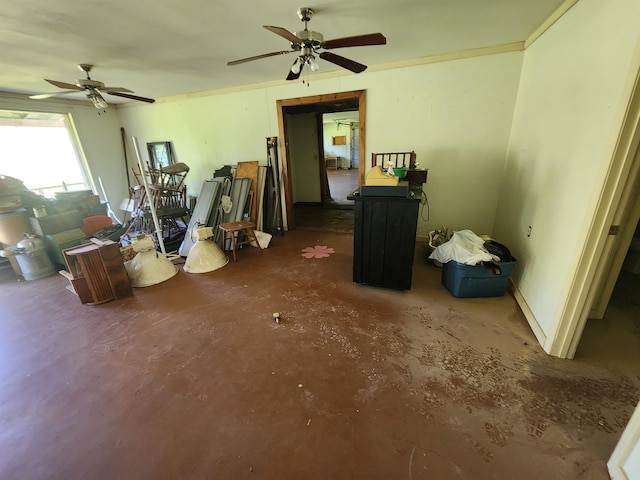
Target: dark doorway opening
[[304, 170]]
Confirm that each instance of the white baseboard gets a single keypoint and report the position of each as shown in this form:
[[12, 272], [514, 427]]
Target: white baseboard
[[528, 314]]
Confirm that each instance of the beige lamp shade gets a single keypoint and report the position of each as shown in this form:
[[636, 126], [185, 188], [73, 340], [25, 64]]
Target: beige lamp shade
[[148, 267], [205, 256]]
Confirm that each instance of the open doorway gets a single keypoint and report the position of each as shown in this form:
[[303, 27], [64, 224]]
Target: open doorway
[[341, 139], [612, 327], [302, 154]]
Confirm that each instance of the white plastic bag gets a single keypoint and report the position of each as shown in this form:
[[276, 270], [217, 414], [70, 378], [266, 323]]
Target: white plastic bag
[[464, 247]]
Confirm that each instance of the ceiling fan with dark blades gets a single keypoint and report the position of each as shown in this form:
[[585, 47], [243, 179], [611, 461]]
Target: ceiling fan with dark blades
[[94, 89], [308, 44]]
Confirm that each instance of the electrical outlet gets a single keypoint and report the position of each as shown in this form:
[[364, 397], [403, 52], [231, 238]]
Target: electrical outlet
[[529, 231]]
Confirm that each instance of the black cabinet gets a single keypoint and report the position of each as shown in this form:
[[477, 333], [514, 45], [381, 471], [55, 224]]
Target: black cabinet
[[384, 239]]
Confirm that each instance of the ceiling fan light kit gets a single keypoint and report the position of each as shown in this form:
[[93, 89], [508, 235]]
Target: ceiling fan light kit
[[94, 89], [309, 44], [303, 60], [97, 100]]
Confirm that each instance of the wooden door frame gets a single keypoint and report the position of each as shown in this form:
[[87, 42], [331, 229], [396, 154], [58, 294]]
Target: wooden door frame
[[359, 95], [322, 169]]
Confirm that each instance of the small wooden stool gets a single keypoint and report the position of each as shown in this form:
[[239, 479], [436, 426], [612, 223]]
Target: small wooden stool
[[239, 228]]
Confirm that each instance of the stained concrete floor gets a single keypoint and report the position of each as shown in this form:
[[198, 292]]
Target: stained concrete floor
[[193, 379], [341, 184]]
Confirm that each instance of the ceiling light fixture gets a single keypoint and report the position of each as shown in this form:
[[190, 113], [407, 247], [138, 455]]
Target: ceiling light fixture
[[312, 63], [302, 60], [297, 65], [98, 101]]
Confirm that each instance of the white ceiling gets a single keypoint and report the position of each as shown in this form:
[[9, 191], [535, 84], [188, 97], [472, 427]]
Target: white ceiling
[[165, 48]]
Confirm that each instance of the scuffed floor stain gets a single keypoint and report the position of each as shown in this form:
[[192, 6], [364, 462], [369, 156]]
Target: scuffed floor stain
[[494, 378], [583, 403], [510, 393], [536, 428], [192, 378], [499, 433], [471, 378]]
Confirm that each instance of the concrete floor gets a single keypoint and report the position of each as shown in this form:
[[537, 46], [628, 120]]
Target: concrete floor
[[193, 379], [341, 184]]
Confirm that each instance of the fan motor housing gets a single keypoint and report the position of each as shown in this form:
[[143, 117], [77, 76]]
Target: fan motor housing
[[87, 82], [310, 38]]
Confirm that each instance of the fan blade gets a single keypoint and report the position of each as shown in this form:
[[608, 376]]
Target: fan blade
[[49, 95], [258, 57], [343, 62], [284, 33], [356, 41], [69, 86], [116, 89], [126, 95]]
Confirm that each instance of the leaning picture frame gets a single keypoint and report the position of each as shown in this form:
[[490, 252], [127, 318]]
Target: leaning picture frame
[[160, 154]]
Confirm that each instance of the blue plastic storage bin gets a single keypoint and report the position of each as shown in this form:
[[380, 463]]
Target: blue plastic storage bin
[[467, 281]]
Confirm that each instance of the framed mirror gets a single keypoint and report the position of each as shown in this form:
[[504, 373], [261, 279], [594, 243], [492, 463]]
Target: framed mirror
[[160, 154]]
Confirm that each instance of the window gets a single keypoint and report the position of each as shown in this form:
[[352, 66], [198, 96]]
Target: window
[[159, 154], [37, 149]]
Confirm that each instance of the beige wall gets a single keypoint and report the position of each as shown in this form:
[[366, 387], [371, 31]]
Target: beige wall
[[568, 98], [207, 132], [330, 130], [456, 115]]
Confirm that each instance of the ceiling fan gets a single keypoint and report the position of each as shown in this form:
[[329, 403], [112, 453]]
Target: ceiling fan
[[94, 89], [309, 43]]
